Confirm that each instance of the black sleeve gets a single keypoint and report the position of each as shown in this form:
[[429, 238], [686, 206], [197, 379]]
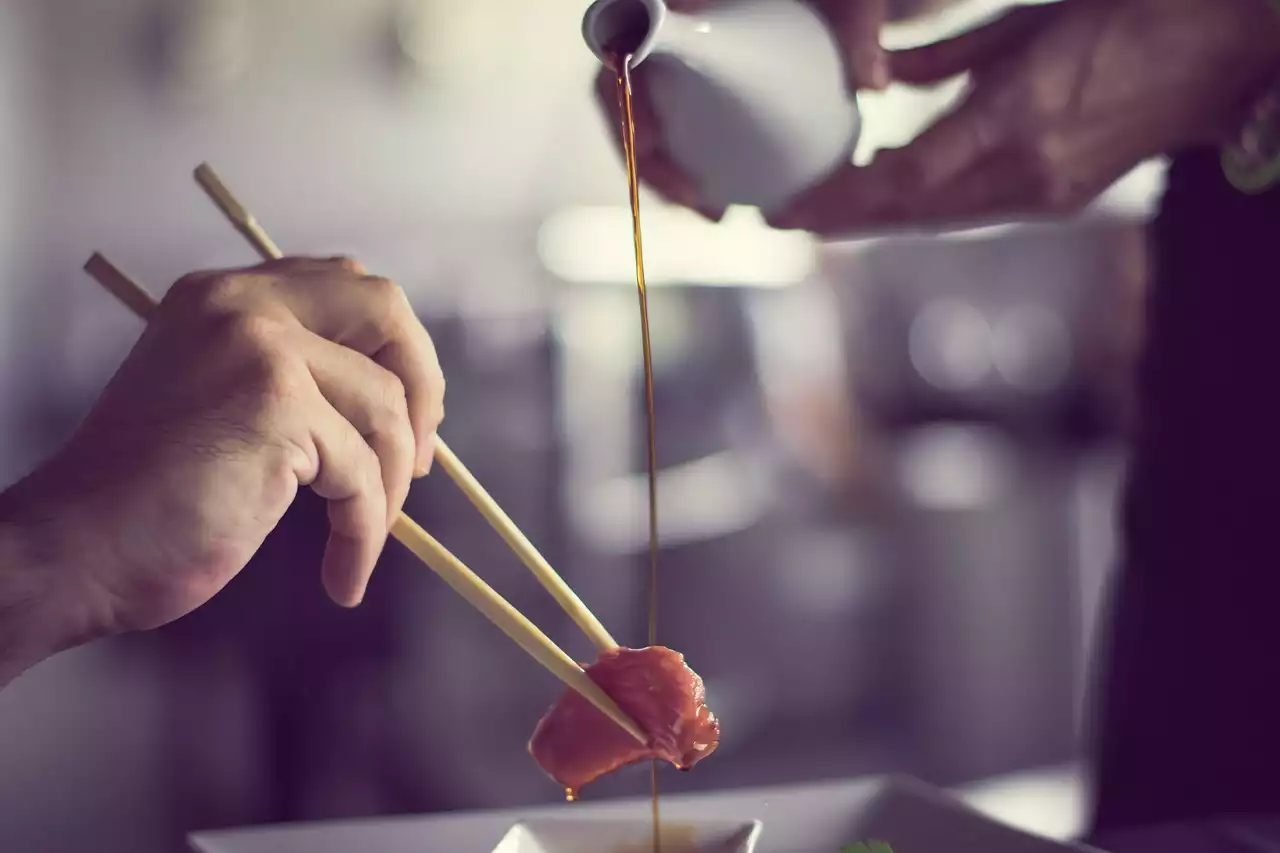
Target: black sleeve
[[1188, 718]]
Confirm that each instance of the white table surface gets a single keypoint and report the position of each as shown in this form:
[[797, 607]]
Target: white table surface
[[1049, 803], [1045, 804], [1052, 802]]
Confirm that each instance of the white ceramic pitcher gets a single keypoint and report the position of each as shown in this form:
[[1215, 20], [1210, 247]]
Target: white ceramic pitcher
[[751, 94]]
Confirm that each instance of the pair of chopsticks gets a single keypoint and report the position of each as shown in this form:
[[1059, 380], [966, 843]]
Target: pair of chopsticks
[[452, 570]]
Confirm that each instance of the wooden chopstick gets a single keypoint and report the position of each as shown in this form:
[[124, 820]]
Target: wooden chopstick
[[410, 534], [244, 222], [236, 213]]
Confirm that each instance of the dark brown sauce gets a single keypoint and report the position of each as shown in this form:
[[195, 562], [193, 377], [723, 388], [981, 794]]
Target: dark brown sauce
[[621, 64]]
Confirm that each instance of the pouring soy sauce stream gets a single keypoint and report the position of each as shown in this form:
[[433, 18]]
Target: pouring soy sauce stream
[[765, 76], [621, 65]]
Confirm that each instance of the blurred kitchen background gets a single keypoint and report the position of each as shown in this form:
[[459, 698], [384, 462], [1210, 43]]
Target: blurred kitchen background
[[889, 467]]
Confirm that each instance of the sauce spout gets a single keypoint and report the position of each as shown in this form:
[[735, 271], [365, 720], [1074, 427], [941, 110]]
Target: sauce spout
[[623, 27]]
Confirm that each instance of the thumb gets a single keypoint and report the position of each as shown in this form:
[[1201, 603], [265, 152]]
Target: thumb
[[857, 27], [933, 63]]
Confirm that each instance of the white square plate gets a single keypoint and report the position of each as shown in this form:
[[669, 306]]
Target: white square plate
[[567, 835]]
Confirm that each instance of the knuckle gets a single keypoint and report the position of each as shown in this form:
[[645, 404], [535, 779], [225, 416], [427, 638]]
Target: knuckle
[[383, 290], [349, 264], [392, 411], [280, 380], [1055, 188], [249, 332], [206, 291], [280, 469], [270, 372], [388, 304], [1045, 97], [190, 286], [370, 481]]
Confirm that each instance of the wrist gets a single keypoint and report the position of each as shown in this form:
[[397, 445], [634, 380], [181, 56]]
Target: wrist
[[42, 609], [24, 630]]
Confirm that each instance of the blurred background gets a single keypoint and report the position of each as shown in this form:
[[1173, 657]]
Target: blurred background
[[888, 468]]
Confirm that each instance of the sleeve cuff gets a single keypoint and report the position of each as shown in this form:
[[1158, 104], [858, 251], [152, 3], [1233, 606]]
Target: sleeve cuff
[[1252, 162]]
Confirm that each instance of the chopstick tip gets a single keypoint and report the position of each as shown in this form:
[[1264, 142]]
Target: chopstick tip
[[213, 186]]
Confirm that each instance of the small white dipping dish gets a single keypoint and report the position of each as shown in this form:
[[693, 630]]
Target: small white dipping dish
[[627, 836]]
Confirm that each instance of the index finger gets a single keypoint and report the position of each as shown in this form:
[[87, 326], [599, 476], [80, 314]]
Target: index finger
[[372, 316], [890, 189]]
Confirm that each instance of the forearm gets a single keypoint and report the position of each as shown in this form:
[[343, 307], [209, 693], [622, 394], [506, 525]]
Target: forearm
[[1190, 663]]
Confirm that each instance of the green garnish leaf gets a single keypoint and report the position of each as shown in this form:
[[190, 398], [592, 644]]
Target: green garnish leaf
[[867, 847]]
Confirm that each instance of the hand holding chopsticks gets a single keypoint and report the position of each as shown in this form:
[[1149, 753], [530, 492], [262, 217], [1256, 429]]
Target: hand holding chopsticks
[[248, 226], [452, 570]]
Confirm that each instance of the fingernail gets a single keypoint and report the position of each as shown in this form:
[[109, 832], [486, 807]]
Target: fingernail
[[784, 221], [678, 189], [646, 145], [358, 594], [687, 197], [715, 214], [426, 456]]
